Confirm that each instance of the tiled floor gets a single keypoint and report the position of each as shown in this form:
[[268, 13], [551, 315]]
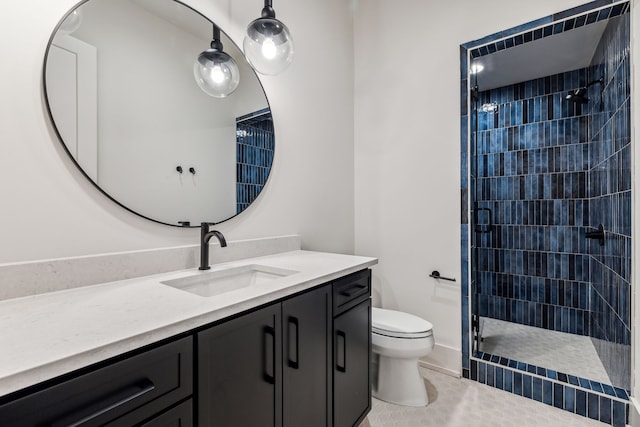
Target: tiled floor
[[562, 352], [460, 402]]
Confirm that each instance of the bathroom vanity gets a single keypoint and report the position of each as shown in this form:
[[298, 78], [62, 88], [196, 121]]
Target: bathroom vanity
[[290, 351]]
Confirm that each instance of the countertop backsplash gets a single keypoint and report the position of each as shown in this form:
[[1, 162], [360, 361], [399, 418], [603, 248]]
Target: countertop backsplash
[[37, 277]]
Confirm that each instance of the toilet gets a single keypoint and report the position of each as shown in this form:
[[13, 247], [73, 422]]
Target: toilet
[[398, 340]]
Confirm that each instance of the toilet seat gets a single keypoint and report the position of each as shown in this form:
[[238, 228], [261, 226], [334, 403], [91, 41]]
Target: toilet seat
[[397, 324]]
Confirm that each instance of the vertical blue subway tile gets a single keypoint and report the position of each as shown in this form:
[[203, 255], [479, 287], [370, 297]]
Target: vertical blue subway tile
[[558, 395], [536, 389], [569, 399], [581, 403], [593, 406], [547, 392], [605, 410], [499, 378], [508, 380], [526, 386], [490, 375], [517, 383], [619, 414]]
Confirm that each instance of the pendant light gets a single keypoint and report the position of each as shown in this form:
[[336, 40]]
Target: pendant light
[[267, 44], [215, 71], [72, 22]]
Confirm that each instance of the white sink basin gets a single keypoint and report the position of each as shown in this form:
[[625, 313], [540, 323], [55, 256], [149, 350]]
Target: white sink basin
[[209, 284]]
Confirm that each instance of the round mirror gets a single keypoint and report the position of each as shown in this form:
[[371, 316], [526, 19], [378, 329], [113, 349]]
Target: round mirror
[[120, 90]]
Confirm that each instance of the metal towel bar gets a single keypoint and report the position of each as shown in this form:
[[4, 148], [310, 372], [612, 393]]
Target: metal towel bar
[[436, 275]]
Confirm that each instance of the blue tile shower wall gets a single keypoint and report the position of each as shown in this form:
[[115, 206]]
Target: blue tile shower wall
[[532, 177], [577, 395], [609, 191], [255, 145]]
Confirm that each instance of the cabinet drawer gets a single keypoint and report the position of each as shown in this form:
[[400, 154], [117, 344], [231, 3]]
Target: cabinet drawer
[[350, 290], [157, 379], [178, 416]]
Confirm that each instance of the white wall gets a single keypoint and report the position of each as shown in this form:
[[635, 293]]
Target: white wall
[[407, 144], [49, 210]]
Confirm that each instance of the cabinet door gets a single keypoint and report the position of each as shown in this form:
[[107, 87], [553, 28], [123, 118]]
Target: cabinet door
[[239, 372], [306, 327], [351, 358]]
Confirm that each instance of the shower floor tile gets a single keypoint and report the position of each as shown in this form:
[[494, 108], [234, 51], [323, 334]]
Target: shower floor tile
[[459, 402], [562, 352]]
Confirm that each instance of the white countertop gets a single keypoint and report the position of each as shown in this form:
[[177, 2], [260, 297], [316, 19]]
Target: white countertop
[[47, 335]]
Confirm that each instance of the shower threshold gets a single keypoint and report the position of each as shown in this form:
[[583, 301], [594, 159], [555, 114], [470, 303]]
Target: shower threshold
[[559, 351]]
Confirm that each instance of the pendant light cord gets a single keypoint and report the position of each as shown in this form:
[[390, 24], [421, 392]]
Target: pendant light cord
[[216, 43]]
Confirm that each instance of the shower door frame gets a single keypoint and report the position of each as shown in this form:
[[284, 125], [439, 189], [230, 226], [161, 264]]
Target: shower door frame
[[478, 366]]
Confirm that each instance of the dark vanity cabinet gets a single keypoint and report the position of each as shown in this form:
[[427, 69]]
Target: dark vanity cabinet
[[270, 367], [239, 371], [351, 349], [300, 361], [124, 393], [306, 373]]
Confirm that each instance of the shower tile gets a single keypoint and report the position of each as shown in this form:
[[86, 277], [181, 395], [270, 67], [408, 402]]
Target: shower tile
[[604, 14], [619, 414], [590, 179], [622, 394], [609, 390], [508, 380], [569, 399], [547, 392], [499, 380], [596, 386], [558, 395], [536, 389], [593, 406], [605, 410], [581, 403], [573, 380], [517, 383], [490, 375], [526, 386]]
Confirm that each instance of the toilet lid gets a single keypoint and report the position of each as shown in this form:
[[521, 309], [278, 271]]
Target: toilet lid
[[398, 324]]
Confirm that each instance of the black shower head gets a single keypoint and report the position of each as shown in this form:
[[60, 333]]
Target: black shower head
[[578, 95]]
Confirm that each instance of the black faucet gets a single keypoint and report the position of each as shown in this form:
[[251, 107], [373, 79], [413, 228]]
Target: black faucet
[[205, 236]]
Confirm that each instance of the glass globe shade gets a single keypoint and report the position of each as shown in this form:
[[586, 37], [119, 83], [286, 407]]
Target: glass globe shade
[[268, 46], [72, 22], [216, 73]]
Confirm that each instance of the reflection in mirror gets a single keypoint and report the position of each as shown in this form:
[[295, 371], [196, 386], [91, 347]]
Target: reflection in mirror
[[547, 168], [122, 95]]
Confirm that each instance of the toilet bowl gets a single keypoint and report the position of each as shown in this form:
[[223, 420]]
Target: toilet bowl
[[398, 339]]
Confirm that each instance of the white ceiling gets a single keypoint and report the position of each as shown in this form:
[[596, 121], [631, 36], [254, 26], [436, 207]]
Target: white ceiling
[[543, 57]]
